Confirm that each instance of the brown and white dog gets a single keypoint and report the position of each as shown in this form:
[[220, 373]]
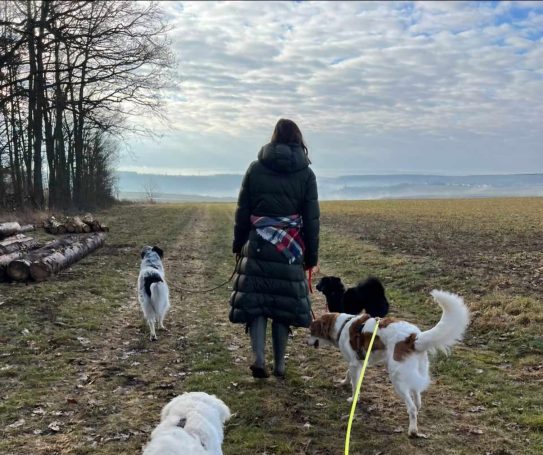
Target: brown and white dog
[[399, 345]]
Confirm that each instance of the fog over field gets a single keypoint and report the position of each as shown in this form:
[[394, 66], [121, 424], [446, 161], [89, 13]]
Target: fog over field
[[225, 187]]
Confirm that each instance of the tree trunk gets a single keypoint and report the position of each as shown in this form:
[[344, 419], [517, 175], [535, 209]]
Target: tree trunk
[[54, 263], [94, 224], [53, 226], [62, 174], [51, 160], [26, 228], [76, 225], [7, 229], [18, 266], [36, 102], [18, 243], [79, 128], [16, 176], [11, 228], [6, 260]]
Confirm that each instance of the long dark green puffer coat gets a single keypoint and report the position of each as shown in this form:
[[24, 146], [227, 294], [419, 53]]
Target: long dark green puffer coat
[[279, 183]]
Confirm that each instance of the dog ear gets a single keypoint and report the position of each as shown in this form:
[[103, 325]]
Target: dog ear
[[159, 251], [143, 253]]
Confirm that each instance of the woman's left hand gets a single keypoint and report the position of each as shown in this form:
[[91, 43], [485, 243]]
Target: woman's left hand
[[314, 269]]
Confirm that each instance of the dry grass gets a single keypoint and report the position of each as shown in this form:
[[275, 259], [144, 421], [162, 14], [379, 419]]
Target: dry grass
[[79, 376], [24, 216]]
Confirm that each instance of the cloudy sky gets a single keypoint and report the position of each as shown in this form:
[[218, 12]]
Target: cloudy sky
[[376, 87]]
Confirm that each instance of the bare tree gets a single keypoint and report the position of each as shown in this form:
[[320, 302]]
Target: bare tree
[[70, 74], [151, 189]]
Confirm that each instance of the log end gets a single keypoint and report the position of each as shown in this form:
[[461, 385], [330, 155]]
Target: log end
[[39, 271], [19, 270]]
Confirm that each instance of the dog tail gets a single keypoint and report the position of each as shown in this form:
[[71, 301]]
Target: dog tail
[[158, 291], [451, 327], [374, 299], [149, 280], [373, 284]]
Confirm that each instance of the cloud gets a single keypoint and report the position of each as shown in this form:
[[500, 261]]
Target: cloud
[[401, 85]]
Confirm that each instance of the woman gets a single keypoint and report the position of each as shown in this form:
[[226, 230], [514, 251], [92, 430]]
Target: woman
[[276, 237]]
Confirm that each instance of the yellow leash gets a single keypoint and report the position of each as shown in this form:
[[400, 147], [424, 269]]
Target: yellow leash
[[357, 391]]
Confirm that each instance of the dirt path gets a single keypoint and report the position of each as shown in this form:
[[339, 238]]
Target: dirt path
[[124, 377]]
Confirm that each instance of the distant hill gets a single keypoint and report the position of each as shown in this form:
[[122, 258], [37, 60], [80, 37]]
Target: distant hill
[[225, 187]]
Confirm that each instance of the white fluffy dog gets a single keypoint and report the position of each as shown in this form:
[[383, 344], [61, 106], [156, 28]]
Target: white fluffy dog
[[153, 293], [191, 424], [399, 345]]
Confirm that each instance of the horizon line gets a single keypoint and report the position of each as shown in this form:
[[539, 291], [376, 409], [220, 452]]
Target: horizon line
[[204, 173]]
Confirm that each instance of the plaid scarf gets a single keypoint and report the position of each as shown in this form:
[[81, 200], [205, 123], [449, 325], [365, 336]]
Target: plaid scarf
[[283, 232]]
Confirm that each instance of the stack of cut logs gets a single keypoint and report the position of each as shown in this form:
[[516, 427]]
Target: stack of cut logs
[[23, 258], [74, 224]]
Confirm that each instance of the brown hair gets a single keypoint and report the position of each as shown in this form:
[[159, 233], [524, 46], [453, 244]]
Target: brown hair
[[287, 132]]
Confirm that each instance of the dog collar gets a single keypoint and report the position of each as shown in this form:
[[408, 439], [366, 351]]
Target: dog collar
[[342, 327]]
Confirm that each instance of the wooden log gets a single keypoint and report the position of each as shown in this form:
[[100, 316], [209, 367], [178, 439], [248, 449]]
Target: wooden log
[[18, 243], [84, 226], [96, 225], [10, 228], [5, 260], [75, 224], [57, 261], [88, 219], [53, 226], [26, 228], [18, 268], [70, 227]]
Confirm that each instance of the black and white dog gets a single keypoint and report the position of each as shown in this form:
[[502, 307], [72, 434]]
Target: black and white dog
[[153, 293], [368, 295]]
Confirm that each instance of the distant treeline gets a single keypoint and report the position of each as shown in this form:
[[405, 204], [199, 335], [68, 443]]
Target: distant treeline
[[70, 73], [226, 186]]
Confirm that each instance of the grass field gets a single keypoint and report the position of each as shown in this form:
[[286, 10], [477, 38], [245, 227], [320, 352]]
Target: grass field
[[79, 376]]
